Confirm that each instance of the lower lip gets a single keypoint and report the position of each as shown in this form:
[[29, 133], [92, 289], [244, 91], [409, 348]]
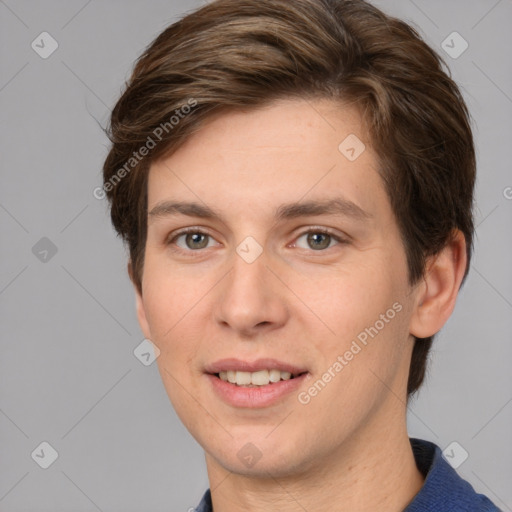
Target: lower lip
[[261, 396]]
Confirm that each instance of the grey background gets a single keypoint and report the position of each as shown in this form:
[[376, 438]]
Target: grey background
[[68, 374]]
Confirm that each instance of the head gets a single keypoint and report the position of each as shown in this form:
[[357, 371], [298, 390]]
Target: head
[[244, 106]]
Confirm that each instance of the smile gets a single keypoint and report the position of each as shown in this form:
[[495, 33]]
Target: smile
[[254, 384]]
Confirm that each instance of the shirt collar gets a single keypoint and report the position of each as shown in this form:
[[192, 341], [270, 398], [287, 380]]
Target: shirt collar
[[443, 488]]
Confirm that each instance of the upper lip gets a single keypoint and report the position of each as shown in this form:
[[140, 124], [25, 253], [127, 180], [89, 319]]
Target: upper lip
[[233, 364]]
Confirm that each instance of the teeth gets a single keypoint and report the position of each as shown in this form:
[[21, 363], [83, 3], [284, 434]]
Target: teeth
[[251, 379], [260, 378], [274, 376], [243, 378]]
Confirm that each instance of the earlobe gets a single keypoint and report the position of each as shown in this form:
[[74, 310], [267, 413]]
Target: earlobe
[[438, 291], [139, 305]]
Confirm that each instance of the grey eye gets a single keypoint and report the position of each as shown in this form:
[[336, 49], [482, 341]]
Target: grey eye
[[194, 241], [316, 240]]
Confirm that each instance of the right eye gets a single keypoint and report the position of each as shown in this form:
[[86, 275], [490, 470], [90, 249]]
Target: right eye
[[191, 240]]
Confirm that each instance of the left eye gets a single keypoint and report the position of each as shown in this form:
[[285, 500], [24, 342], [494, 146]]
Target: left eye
[[318, 240]]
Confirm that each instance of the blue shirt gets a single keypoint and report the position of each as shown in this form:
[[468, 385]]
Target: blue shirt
[[443, 490]]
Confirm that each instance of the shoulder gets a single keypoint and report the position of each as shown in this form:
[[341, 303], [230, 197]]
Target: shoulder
[[443, 489]]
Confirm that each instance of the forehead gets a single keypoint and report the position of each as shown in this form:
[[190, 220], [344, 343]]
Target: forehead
[[288, 150], [296, 124]]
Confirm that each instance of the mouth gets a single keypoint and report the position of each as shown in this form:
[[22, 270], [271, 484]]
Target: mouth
[[254, 384]]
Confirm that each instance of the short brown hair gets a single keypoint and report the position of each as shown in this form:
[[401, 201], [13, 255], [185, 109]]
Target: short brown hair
[[240, 54]]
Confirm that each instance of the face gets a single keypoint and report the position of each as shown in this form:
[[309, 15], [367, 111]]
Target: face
[[272, 250]]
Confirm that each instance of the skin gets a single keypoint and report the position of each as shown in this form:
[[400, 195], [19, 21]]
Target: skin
[[347, 448]]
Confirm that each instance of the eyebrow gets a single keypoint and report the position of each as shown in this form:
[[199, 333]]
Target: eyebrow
[[337, 206]]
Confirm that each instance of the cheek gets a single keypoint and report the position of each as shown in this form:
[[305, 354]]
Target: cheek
[[175, 314], [170, 296], [345, 303]]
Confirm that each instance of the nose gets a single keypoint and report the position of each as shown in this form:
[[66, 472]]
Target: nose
[[251, 299]]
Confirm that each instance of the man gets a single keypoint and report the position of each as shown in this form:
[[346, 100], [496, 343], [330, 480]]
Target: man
[[294, 181]]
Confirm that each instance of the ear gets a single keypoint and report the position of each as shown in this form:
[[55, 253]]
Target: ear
[[436, 295], [139, 305]]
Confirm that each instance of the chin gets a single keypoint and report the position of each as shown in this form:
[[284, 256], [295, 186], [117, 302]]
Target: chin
[[265, 468], [261, 458]]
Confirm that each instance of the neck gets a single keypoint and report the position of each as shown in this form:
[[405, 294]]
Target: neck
[[366, 472]]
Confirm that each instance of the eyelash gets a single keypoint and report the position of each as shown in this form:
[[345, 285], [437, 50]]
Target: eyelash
[[323, 231]]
